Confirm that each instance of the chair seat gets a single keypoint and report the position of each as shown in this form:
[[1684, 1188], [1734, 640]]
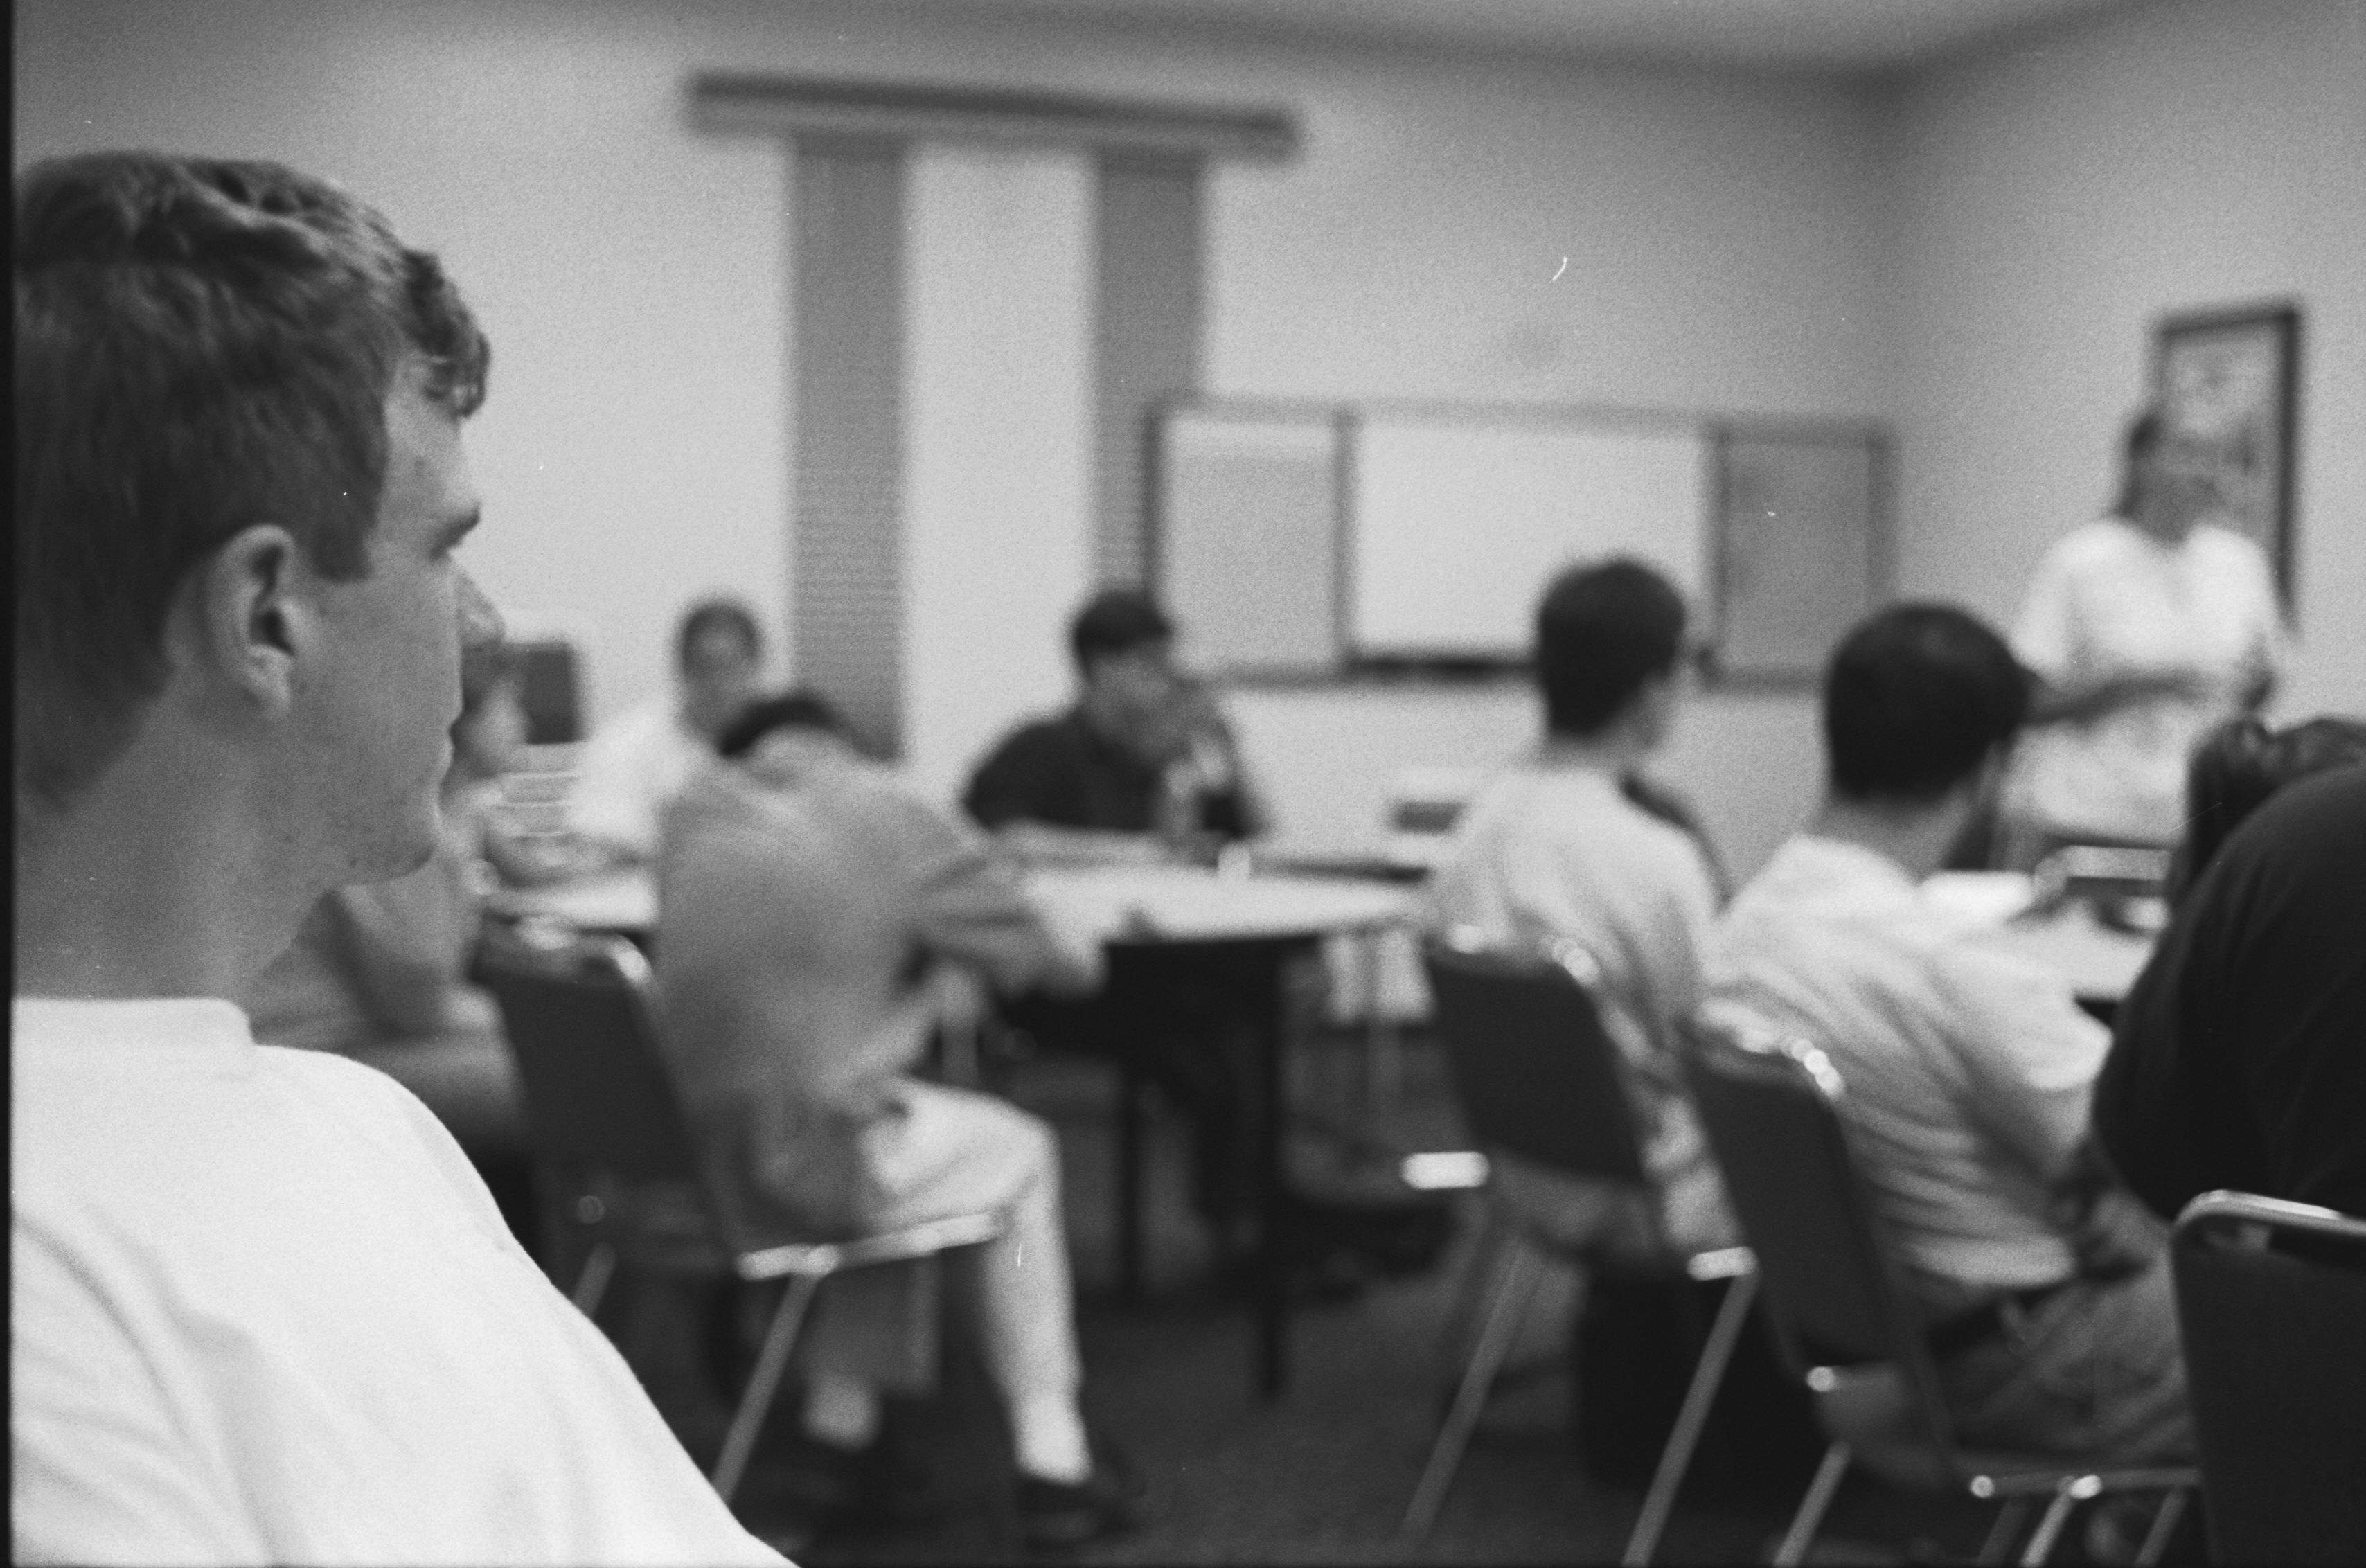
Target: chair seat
[[922, 1240]]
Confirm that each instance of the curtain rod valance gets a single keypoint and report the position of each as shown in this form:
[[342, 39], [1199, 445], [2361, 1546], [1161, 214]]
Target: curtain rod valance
[[807, 105]]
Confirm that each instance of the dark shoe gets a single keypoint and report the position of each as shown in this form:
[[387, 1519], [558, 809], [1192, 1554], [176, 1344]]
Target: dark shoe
[[1054, 1515], [829, 1485]]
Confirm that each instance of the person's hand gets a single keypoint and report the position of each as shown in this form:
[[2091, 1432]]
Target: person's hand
[[957, 995]]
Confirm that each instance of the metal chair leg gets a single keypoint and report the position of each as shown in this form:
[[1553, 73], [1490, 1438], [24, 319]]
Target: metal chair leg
[[1505, 1314], [1677, 1457], [1488, 1258], [599, 1268], [2067, 1496], [2003, 1529], [2164, 1526], [756, 1401], [1810, 1515]]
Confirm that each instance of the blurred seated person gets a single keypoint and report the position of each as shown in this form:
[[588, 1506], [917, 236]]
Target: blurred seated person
[[634, 765], [1968, 1070], [1143, 767], [379, 971], [2145, 628], [2239, 1058], [817, 922], [1554, 848]]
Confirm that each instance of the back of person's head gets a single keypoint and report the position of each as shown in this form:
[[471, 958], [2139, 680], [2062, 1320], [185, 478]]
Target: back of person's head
[[2238, 766], [1917, 698], [202, 346], [716, 617], [801, 710], [1117, 621], [1602, 633], [2149, 428]]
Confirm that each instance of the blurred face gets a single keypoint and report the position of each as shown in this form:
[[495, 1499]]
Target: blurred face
[[2177, 486], [490, 738], [719, 672], [378, 703], [1126, 694]]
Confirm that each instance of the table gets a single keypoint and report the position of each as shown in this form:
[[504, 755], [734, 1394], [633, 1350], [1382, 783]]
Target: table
[[2101, 962], [1137, 927], [1235, 936]]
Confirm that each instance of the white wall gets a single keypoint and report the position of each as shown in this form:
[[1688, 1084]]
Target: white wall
[[1723, 251], [997, 444], [2052, 197]]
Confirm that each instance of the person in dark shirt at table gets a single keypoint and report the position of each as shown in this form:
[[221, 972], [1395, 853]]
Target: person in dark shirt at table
[[1143, 770], [2239, 1058], [1142, 765]]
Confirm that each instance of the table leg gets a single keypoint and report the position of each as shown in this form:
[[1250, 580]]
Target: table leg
[[1273, 1295], [1129, 1176]]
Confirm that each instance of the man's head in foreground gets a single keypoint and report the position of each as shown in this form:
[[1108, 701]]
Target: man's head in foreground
[[1609, 648], [240, 485], [1920, 703]]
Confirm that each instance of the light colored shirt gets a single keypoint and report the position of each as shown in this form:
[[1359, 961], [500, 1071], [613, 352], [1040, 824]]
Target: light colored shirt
[[1967, 1069], [631, 769], [263, 1311], [1553, 850], [2110, 599]]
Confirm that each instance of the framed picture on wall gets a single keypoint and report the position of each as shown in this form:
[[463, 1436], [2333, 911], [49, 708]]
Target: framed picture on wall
[[2233, 377]]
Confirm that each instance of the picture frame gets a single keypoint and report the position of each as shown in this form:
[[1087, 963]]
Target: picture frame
[[2232, 376]]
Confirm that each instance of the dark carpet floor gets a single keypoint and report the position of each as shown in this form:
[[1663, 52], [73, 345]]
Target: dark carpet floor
[[1324, 1474]]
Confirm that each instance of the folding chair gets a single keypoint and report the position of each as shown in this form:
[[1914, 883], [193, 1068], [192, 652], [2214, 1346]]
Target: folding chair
[[2271, 1299], [1538, 1079], [583, 1017], [1841, 1319]]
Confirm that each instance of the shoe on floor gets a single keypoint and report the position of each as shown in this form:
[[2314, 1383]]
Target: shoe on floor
[[830, 1486], [1053, 1514]]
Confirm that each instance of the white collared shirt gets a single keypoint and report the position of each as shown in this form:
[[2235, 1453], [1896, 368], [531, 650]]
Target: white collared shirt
[[2110, 599], [1553, 849], [1967, 1070], [261, 1310]]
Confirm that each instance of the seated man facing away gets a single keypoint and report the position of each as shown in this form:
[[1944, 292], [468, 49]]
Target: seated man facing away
[[1967, 1070], [636, 763], [262, 1310], [1554, 848], [1143, 762], [816, 923], [2239, 1058]]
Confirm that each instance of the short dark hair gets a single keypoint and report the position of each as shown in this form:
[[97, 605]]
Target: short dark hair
[[791, 710], [1117, 620], [1602, 632], [2148, 428], [709, 616], [1916, 698], [202, 344], [2237, 766]]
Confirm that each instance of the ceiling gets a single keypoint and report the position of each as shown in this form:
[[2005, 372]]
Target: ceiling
[[1835, 35]]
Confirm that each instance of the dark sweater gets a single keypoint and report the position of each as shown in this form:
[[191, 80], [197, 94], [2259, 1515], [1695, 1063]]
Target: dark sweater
[[2239, 1059]]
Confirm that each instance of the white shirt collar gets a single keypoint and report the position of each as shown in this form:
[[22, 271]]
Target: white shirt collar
[[201, 1023]]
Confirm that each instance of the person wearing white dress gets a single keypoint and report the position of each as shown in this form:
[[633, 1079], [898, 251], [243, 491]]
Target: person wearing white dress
[[2145, 628]]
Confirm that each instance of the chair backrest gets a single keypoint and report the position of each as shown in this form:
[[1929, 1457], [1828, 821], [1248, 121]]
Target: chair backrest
[[1768, 1105], [1536, 1076], [2271, 1302], [581, 1019]]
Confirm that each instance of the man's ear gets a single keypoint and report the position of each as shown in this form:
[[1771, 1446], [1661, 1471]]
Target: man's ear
[[245, 620]]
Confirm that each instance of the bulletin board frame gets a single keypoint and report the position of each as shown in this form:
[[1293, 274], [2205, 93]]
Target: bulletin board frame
[[1727, 661], [2232, 375]]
